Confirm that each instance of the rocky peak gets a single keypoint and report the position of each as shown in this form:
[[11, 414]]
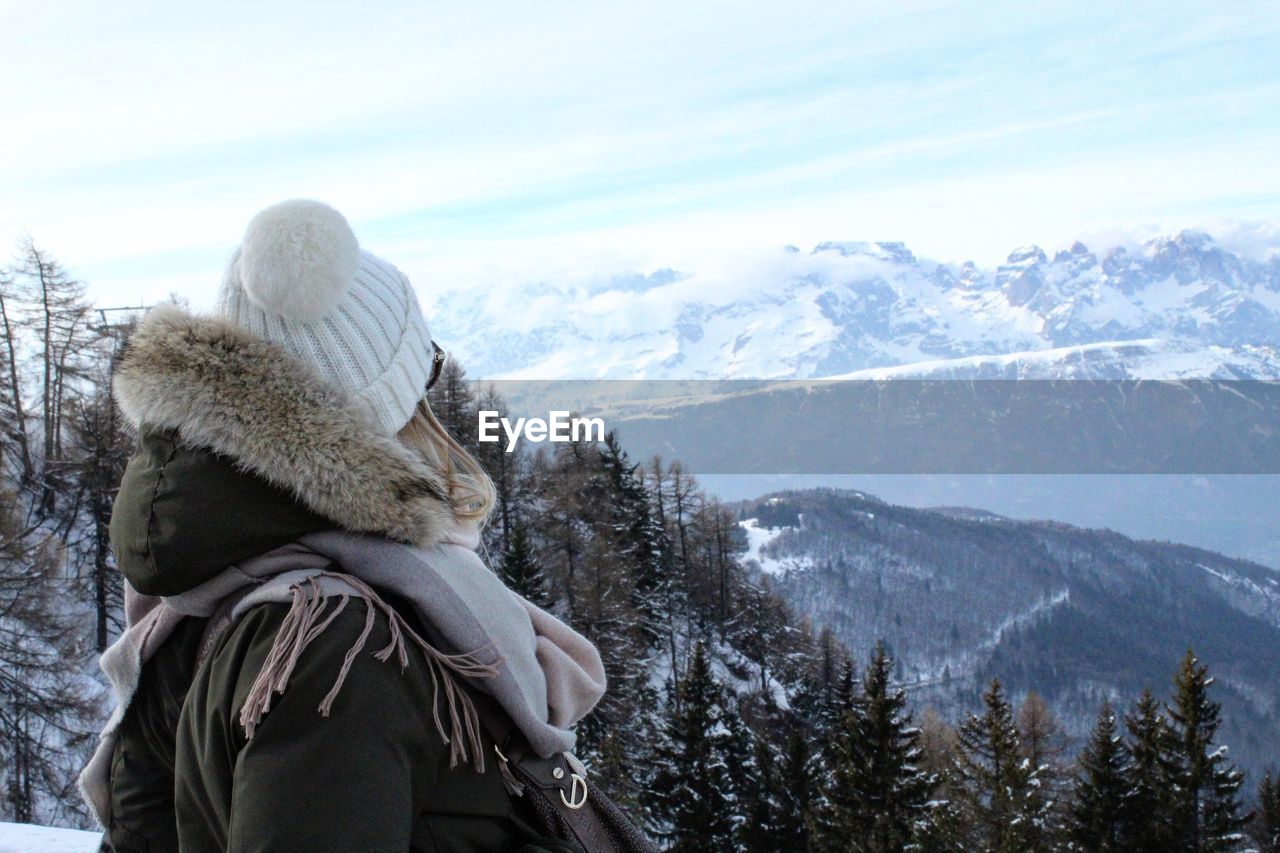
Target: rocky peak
[[1027, 255], [890, 251]]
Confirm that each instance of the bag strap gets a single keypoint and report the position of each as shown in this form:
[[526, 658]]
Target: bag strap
[[557, 787]]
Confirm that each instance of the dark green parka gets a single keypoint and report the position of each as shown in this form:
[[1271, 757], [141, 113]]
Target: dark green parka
[[240, 453]]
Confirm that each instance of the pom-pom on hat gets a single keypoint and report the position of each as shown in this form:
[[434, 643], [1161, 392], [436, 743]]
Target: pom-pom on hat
[[301, 280]]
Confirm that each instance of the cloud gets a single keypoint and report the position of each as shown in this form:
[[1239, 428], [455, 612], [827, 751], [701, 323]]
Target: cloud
[[511, 141]]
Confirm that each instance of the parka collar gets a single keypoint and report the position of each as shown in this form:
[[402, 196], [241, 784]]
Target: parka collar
[[223, 388]]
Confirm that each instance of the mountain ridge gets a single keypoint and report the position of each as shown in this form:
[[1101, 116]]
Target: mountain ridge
[[1076, 614], [849, 306]]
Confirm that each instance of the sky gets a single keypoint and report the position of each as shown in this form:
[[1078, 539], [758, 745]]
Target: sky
[[478, 144]]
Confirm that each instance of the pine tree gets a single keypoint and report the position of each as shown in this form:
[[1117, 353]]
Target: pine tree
[[762, 832], [101, 449], [800, 796], [672, 593], [1205, 788], [833, 725], [762, 622], [614, 766], [823, 691], [880, 793], [692, 787], [521, 569], [605, 606], [745, 780], [1265, 825], [454, 403], [1100, 804], [826, 685], [562, 480], [507, 473], [1147, 831], [636, 537], [997, 785]]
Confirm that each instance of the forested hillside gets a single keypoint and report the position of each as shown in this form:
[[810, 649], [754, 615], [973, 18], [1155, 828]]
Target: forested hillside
[[961, 596], [731, 722]]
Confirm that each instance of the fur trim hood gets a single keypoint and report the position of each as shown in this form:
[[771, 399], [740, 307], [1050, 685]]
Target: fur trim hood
[[222, 388]]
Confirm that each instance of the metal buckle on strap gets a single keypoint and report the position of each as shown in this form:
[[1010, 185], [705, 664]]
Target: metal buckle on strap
[[577, 792]]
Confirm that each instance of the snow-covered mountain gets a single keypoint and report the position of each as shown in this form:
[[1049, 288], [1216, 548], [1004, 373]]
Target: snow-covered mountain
[[1177, 307]]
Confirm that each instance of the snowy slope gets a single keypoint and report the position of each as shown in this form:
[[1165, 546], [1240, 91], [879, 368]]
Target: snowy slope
[[759, 552], [1180, 306], [1139, 359], [24, 838]]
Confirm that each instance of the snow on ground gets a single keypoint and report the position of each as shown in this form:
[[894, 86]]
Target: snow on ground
[[25, 838], [1146, 358], [1262, 600], [758, 537], [1017, 620]]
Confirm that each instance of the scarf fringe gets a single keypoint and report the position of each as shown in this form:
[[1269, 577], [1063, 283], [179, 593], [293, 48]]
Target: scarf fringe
[[303, 623]]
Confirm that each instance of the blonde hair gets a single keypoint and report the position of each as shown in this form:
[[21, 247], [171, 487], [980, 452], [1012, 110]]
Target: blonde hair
[[471, 493]]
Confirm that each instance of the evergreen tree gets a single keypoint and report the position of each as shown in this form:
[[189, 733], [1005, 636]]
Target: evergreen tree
[[101, 450], [505, 470], [825, 685], [880, 793], [614, 765], [1100, 803], [562, 479], [834, 727], [745, 780], [605, 606], [454, 403], [672, 593], [1265, 824], [997, 785], [837, 696], [762, 832], [761, 625], [1148, 829], [800, 796], [1204, 787], [636, 538], [521, 569], [691, 788]]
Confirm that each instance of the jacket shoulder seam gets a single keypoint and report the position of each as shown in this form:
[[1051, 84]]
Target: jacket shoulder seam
[[151, 506]]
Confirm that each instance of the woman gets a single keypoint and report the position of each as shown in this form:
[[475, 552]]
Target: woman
[[316, 658]]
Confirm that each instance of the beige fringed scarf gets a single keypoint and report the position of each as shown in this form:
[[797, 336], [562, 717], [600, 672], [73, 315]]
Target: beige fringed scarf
[[303, 623], [544, 674]]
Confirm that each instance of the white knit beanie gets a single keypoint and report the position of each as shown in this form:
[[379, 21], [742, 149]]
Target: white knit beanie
[[300, 280]]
